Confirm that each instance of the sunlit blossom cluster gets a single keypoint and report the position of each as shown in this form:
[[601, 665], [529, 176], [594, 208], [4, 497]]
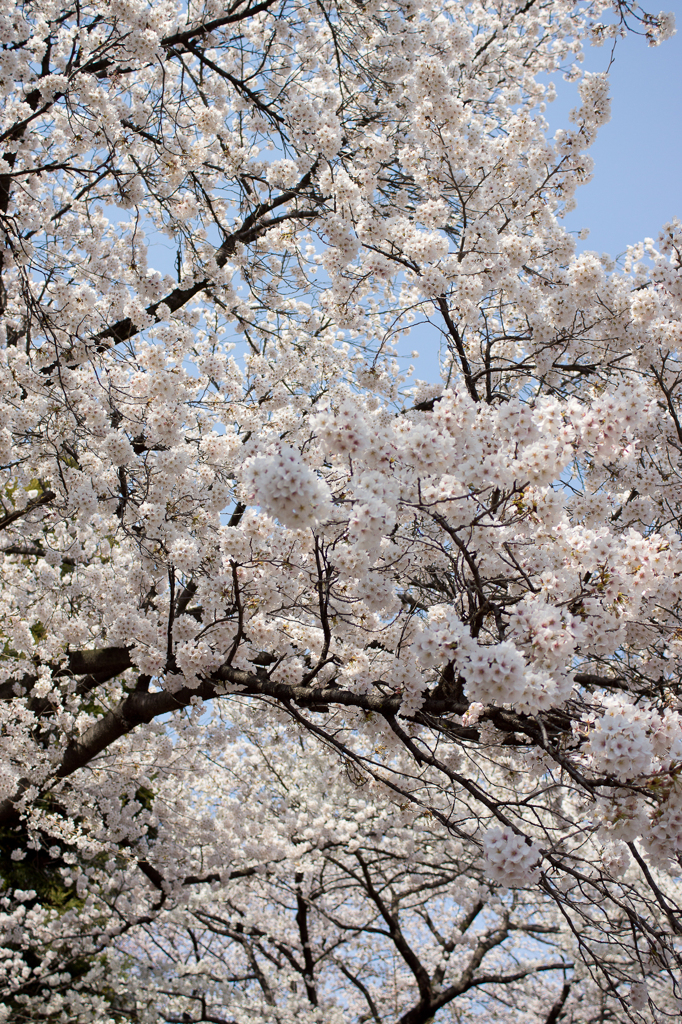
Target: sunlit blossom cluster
[[509, 859], [286, 488]]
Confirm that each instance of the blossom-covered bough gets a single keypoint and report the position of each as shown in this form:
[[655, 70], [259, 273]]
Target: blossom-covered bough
[[226, 500]]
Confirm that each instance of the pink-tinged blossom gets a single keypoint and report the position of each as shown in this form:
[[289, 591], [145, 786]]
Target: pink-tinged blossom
[[509, 859]]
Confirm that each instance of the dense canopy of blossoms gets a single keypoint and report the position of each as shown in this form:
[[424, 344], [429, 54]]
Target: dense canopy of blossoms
[[227, 503]]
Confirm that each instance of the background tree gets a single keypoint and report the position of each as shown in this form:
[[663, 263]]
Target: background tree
[[296, 890], [430, 579], [362, 910]]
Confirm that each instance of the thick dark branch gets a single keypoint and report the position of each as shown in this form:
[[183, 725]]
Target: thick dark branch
[[109, 662], [45, 498], [141, 707], [95, 667], [137, 708], [554, 1013], [302, 922], [501, 979], [159, 882], [415, 965], [106, 659], [361, 987], [32, 551], [459, 345], [178, 38], [422, 1015]]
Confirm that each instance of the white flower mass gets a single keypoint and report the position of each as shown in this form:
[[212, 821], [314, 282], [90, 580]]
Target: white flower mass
[[287, 489], [329, 694]]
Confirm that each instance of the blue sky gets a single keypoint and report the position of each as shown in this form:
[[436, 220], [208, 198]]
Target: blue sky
[[637, 183]]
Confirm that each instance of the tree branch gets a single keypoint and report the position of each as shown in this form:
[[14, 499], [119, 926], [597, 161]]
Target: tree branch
[[45, 498]]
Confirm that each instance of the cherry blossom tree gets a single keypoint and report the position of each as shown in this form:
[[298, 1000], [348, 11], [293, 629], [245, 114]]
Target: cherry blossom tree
[[225, 495], [297, 890], [355, 909]]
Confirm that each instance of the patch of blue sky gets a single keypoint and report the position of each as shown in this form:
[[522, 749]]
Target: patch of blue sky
[[636, 185]]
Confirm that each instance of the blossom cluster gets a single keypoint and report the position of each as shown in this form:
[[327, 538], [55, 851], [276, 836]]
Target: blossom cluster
[[509, 858], [287, 489]]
